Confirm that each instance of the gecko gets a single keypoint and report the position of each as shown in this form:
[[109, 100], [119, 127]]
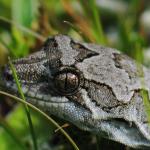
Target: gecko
[[96, 88]]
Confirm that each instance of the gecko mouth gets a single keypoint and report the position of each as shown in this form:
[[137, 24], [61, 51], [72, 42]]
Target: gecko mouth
[[50, 100], [32, 91]]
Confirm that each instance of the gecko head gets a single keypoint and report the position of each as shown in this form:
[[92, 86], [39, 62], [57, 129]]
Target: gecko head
[[50, 79], [53, 80]]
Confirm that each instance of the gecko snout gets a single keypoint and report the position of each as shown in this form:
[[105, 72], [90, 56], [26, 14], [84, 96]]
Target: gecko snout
[[7, 74]]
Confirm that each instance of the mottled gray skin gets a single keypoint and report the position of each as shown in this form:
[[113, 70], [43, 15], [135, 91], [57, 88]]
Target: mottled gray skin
[[108, 100]]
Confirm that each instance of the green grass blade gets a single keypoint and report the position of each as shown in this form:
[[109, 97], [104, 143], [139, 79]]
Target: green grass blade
[[96, 21], [23, 28], [26, 107], [146, 101], [22, 11], [44, 114], [91, 10], [144, 93]]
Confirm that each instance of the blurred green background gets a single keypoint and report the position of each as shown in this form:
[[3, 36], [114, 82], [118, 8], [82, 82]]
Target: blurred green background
[[24, 26]]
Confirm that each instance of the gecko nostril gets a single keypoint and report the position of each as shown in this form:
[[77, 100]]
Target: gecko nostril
[[7, 75]]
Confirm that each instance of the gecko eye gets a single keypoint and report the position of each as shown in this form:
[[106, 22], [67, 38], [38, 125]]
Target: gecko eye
[[67, 82]]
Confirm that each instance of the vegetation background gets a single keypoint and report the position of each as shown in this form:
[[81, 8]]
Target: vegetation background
[[24, 26]]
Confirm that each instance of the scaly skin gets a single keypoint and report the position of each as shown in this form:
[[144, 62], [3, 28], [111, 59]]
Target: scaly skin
[[94, 87]]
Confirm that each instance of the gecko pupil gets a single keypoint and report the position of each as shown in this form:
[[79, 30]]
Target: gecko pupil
[[66, 82]]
